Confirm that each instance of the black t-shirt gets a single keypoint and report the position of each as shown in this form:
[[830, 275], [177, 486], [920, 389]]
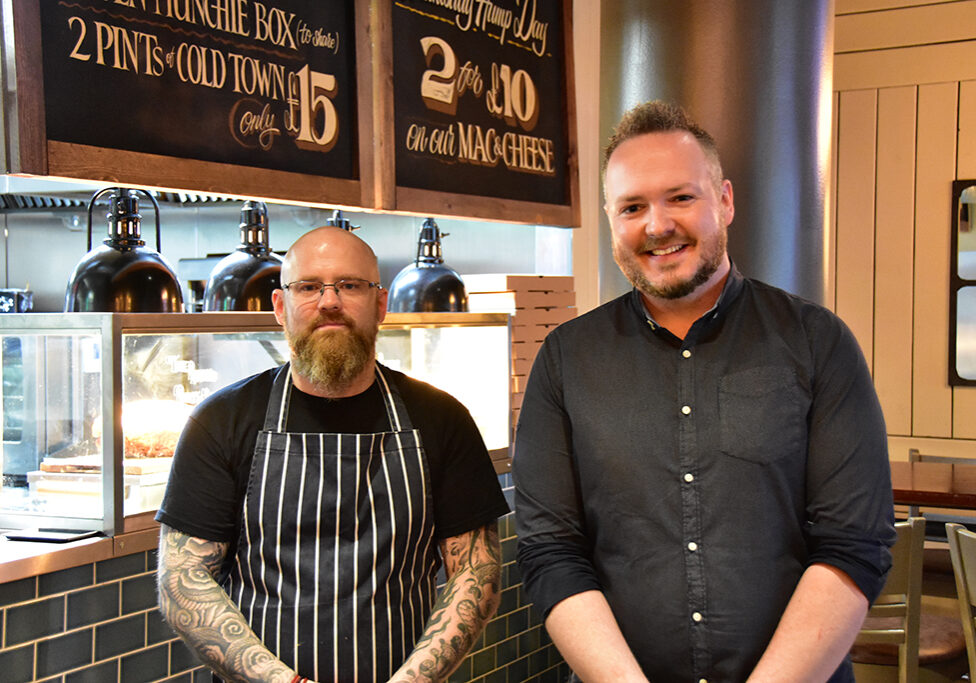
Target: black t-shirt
[[205, 493]]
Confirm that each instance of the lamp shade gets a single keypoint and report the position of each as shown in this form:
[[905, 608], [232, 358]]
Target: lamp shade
[[428, 285], [244, 279], [123, 275]]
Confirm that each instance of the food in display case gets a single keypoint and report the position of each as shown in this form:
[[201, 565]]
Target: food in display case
[[150, 430], [93, 398], [83, 392], [152, 427]]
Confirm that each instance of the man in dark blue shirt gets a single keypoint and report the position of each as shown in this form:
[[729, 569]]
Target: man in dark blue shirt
[[701, 470]]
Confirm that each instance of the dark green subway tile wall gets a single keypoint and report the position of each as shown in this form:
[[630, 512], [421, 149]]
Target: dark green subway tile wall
[[98, 623]]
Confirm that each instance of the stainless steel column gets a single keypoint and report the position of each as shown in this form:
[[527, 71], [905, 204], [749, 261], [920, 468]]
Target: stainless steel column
[[757, 75]]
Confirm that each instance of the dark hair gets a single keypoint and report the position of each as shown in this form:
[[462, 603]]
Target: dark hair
[[660, 117]]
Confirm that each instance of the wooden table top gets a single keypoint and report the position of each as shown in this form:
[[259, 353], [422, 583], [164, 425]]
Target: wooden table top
[[942, 499], [935, 484]]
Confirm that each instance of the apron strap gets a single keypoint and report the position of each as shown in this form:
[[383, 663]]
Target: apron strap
[[395, 410], [276, 415]]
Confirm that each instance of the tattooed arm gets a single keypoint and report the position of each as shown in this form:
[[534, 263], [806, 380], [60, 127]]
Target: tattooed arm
[[204, 616], [472, 562]]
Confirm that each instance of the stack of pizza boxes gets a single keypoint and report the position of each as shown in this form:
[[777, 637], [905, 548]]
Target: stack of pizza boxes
[[537, 304]]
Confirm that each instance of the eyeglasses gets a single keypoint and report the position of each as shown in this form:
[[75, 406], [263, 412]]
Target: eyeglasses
[[312, 290]]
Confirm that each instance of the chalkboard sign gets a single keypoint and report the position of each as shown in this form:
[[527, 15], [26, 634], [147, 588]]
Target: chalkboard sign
[[258, 98], [436, 107], [268, 84], [483, 107]]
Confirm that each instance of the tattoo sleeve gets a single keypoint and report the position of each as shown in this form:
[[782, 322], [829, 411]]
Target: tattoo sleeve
[[472, 562], [198, 609]]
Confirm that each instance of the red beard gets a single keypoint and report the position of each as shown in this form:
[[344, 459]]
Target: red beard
[[332, 358]]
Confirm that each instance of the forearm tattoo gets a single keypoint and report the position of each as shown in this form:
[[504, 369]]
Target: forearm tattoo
[[198, 609], [466, 603]]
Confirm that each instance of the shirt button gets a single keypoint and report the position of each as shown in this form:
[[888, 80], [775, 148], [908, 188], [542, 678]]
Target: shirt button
[[686, 353], [689, 477], [692, 546], [686, 410], [696, 617]]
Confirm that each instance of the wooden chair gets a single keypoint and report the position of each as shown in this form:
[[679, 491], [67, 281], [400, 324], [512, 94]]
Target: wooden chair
[[894, 618], [962, 549], [898, 640]]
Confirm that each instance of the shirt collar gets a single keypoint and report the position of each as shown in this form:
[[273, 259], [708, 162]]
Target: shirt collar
[[730, 292]]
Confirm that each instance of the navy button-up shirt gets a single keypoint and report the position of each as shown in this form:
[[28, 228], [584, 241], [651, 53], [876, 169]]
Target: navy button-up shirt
[[693, 481]]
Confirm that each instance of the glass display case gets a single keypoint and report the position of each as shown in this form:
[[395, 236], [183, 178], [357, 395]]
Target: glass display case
[[93, 403]]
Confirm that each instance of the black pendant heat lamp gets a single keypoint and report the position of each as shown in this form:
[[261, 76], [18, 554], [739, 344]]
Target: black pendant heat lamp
[[244, 279], [427, 285], [123, 275], [340, 221]]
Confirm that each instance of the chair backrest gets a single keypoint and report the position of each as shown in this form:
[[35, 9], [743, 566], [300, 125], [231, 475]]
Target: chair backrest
[[896, 614], [915, 455], [962, 550]]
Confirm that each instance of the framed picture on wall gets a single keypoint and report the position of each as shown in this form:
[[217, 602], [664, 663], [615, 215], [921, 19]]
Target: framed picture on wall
[[962, 285]]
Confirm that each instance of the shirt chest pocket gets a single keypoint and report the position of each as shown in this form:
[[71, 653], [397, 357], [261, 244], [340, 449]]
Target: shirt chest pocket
[[762, 414]]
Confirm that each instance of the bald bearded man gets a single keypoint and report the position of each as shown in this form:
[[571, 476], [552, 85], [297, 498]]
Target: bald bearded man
[[310, 506]]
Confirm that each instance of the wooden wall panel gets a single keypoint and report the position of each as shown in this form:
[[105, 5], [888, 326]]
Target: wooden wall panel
[[905, 66], [855, 214], [898, 447], [904, 27], [848, 6], [935, 166], [964, 398], [894, 240], [966, 162], [910, 344]]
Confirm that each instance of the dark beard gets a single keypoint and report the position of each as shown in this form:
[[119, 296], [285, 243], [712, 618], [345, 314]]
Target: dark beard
[[332, 359], [672, 289]]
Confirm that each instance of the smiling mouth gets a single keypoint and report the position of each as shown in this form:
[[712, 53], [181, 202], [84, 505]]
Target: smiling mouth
[[665, 251]]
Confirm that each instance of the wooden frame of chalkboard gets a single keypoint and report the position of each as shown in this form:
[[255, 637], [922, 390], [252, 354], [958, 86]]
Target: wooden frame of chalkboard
[[476, 113], [293, 90]]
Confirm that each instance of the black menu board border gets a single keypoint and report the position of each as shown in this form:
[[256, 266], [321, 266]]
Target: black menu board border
[[495, 198]]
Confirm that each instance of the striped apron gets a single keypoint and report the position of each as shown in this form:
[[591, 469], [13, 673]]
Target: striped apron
[[336, 563]]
